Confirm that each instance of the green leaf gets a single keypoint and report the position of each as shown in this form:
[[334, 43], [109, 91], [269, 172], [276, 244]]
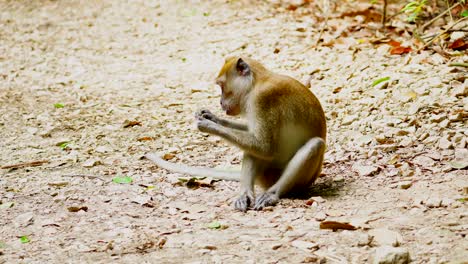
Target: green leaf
[[124, 179], [59, 105], [462, 200], [184, 59], [64, 145], [206, 14], [214, 225], [464, 13], [24, 239], [380, 80], [6, 205]]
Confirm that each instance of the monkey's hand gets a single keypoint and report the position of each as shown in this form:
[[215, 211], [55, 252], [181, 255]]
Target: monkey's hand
[[206, 114], [207, 126], [244, 201]]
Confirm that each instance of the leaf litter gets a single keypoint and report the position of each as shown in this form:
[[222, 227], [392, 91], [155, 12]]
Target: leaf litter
[[121, 90]]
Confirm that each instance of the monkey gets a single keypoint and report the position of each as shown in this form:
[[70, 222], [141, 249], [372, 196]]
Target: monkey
[[283, 138]]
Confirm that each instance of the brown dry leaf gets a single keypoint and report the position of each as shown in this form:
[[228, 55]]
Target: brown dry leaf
[[336, 225], [145, 139], [131, 123], [394, 43], [75, 209], [459, 44], [400, 50], [195, 183]]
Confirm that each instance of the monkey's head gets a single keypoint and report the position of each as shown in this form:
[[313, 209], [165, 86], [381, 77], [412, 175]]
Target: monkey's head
[[235, 80]]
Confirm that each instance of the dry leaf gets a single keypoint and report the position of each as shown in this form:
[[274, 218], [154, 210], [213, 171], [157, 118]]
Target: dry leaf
[[336, 225], [131, 123]]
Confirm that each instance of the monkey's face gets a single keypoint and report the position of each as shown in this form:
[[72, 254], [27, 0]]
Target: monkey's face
[[230, 101], [235, 83]]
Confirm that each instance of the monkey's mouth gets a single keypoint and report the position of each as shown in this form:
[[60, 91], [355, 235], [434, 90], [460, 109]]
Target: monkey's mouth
[[232, 111]]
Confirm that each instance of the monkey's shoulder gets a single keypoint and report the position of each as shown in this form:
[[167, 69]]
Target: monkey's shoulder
[[282, 89]]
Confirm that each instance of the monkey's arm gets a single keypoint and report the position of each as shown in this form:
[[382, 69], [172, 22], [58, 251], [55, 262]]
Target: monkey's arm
[[245, 140], [232, 124], [194, 171], [206, 114]]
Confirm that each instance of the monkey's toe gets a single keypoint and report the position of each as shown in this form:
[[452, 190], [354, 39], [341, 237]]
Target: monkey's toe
[[264, 200], [243, 202]]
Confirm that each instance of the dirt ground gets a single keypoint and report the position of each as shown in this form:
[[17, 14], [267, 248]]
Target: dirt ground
[[88, 87]]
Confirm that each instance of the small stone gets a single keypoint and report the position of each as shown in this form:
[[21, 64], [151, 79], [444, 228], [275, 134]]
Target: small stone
[[304, 245], [386, 237], [433, 202], [103, 149], [276, 246], [348, 120], [455, 117], [437, 118], [405, 185], [320, 216], [168, 156], [91, 163], [444, 143], [423, 161], [363, 170], [391, 255], [444, 124], [457, 35]]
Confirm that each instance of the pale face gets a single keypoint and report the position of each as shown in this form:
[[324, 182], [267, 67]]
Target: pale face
[[230, 101]]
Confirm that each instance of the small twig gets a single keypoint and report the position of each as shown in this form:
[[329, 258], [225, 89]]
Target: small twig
[[25, 164], [384, 14], [85, 176], [326, 11], [458, 64], [439, 16], [448, 7], [441, 33]]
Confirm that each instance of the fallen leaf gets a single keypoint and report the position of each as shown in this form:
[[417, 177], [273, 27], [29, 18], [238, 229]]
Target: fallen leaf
[[458, 44], [400, 50], [336, 225], [75, 209], [145, 139], [131, 123], [124, 179], [195, 183], [214, 225], [380, 80], [6, 205], [394, 43], [59, 105], [24, 239]]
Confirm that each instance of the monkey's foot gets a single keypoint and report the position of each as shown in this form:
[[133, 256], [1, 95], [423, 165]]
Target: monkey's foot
[[266, 199], [244, 201]]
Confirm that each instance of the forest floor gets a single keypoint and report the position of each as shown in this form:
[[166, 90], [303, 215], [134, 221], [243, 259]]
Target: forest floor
[[88, 87]]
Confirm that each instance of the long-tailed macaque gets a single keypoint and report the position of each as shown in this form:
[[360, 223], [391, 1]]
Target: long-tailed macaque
[[283, 139]]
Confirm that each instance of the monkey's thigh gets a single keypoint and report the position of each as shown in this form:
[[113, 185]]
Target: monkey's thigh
[[269, 177], [302, 169]]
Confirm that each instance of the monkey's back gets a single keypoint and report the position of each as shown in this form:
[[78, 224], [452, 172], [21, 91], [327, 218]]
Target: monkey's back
[[299, 106]]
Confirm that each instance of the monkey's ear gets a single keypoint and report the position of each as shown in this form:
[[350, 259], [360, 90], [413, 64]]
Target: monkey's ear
[[242, 67]]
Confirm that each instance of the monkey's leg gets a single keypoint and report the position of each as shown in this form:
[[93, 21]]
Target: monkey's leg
[[204, 113], [301, 170], [251, 167]]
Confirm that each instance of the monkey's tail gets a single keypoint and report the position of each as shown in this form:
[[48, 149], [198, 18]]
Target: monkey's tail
[[194, 171]]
